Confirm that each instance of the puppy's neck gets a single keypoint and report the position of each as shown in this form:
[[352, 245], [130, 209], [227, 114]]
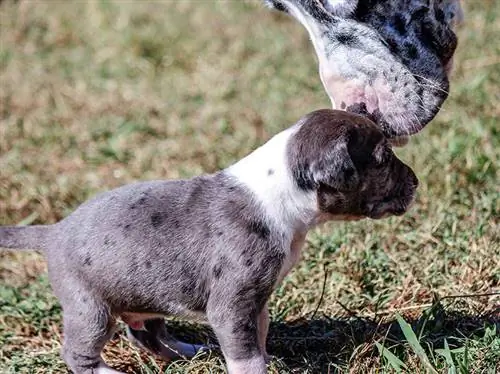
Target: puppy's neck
[[266, 173]]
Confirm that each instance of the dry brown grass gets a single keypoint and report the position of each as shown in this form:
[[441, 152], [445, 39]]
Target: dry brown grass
[[96, 94]]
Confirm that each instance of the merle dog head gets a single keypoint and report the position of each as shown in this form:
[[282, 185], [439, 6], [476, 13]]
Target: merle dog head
[[347, 160], [389, 57]]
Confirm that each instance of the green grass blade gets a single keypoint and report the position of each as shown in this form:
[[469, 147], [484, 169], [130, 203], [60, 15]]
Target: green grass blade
[[446, 353], [395, 362], [412, 340]]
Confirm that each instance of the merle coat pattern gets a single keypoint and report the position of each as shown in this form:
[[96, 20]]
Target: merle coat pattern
[[213, 247]]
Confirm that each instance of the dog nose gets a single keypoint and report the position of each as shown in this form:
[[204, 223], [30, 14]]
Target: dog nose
[[399, 211]]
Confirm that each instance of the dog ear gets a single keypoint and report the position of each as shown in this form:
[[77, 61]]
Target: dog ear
[[335, 168]]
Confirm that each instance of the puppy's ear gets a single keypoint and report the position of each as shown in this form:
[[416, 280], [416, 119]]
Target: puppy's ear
[[335, 168]]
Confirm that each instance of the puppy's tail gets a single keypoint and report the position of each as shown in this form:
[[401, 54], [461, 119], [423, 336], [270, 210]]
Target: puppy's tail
[[25, 237]]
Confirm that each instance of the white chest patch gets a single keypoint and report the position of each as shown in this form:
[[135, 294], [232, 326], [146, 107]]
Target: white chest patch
[[266, 173]]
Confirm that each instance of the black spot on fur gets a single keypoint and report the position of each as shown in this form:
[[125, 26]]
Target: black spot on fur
[[411, 50], [148, 264], [348, 173], [187, 288], [106, 240], [156, 219], [248, 262], [126, 227], [342, 105], [133, 267], [347, 39], [274, 260], [220, 233], [400, 24], [87, 261], [439, 15], [381, 18], [270, 171], [141, 201], [276, 5], [259, 228], [419, 14], [217, 271]]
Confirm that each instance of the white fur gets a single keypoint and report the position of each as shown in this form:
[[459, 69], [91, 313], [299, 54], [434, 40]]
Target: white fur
[[105, 369], [255, 365], [341, 8], [265, 172], [311, 25]]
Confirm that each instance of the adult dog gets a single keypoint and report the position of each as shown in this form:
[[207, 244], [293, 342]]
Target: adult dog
[[390, 58]]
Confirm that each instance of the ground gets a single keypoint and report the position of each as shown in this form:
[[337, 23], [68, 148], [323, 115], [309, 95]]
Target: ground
[[96, 94]]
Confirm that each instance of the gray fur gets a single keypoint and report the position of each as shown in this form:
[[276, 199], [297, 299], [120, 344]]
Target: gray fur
[[204, 246]]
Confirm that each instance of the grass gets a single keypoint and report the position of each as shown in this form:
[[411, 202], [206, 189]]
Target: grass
[[96, 94]]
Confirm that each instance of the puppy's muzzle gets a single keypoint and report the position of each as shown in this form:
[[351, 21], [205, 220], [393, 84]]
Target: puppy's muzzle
[[397, 203]]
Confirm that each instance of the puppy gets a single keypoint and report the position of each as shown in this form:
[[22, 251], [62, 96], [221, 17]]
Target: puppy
[[213, 247]]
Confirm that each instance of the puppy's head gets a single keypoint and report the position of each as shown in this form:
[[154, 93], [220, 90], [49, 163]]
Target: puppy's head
[[391, 56], [350, 165]]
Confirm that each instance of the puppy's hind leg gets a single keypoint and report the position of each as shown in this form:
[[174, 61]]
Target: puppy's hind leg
[[155, 338], [88, 325]]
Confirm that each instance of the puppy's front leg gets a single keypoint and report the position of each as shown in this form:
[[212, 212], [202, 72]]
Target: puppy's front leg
[[236, 327]]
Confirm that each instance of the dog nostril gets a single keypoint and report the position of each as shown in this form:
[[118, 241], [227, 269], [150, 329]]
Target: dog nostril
[[400, 211]]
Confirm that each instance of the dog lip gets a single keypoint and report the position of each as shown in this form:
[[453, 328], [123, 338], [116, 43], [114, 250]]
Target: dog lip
[[377, 117], [399, 206]]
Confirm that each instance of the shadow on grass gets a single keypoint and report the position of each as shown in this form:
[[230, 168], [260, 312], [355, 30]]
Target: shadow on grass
[[323, 344]]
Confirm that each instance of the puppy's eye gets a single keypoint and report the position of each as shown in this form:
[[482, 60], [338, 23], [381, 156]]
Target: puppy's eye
[[386, 156]]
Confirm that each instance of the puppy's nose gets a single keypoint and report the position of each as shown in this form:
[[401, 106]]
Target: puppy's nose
[[399, 211]]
